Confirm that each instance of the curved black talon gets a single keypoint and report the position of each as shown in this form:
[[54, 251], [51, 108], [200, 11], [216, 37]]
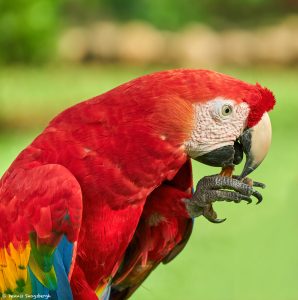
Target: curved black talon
[[250, 182], [209, 213], [216, 221], [221, 188], [243, 198], [258, 196], [259, 184]]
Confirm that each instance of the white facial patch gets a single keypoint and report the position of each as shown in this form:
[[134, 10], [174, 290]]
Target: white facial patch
[[218, 123]]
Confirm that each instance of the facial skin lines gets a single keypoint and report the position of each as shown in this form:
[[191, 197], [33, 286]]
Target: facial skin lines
[[213, 123]]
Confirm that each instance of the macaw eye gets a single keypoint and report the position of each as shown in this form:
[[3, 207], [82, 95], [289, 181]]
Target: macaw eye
[[226, 110]]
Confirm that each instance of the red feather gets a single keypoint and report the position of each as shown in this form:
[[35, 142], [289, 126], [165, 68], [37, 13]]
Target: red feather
[[115, 150], [161, 235]]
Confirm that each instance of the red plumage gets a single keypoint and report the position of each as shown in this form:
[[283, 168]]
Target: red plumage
[[116, 151], [162, 233]]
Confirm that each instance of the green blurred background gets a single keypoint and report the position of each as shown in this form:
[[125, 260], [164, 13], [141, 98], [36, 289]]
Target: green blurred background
[[56, 53]]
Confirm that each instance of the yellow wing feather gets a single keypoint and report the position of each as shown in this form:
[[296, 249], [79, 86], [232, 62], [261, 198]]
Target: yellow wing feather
[[13, 267]]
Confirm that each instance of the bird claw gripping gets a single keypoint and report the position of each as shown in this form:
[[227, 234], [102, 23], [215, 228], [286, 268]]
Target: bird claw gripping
[[221, 188]]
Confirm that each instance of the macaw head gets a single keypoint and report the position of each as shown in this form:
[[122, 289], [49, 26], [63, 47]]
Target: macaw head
[[230, 118], [212, 117]]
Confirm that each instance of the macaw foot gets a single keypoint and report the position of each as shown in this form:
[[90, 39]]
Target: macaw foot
[[221, 188]]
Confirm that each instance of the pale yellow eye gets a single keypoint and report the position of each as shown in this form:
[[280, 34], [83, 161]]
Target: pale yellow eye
[[226, 110]]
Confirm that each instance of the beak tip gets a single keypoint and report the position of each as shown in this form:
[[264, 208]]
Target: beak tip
[[247, 170]]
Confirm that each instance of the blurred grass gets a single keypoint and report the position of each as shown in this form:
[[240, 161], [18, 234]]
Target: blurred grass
[[253, 255]]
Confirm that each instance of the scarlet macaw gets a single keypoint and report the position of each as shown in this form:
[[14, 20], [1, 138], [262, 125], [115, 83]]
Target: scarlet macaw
[[104, 193]]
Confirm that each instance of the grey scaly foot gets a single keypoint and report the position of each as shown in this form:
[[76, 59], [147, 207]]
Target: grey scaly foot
[[221, 188]]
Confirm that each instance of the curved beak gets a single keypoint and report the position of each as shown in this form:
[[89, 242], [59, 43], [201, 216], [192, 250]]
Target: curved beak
[[256, 142]]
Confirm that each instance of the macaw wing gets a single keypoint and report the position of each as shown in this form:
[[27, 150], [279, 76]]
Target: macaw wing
[[40, 213], [184, 181], [161, 235], [179, 247]]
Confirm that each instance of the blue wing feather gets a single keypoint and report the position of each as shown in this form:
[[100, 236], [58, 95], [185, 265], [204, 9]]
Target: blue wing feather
[[107, 292], [63, 257], [65, 249]]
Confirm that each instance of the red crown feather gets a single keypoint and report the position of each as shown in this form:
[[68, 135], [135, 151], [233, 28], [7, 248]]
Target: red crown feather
[[200, 86], [262, 102]]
